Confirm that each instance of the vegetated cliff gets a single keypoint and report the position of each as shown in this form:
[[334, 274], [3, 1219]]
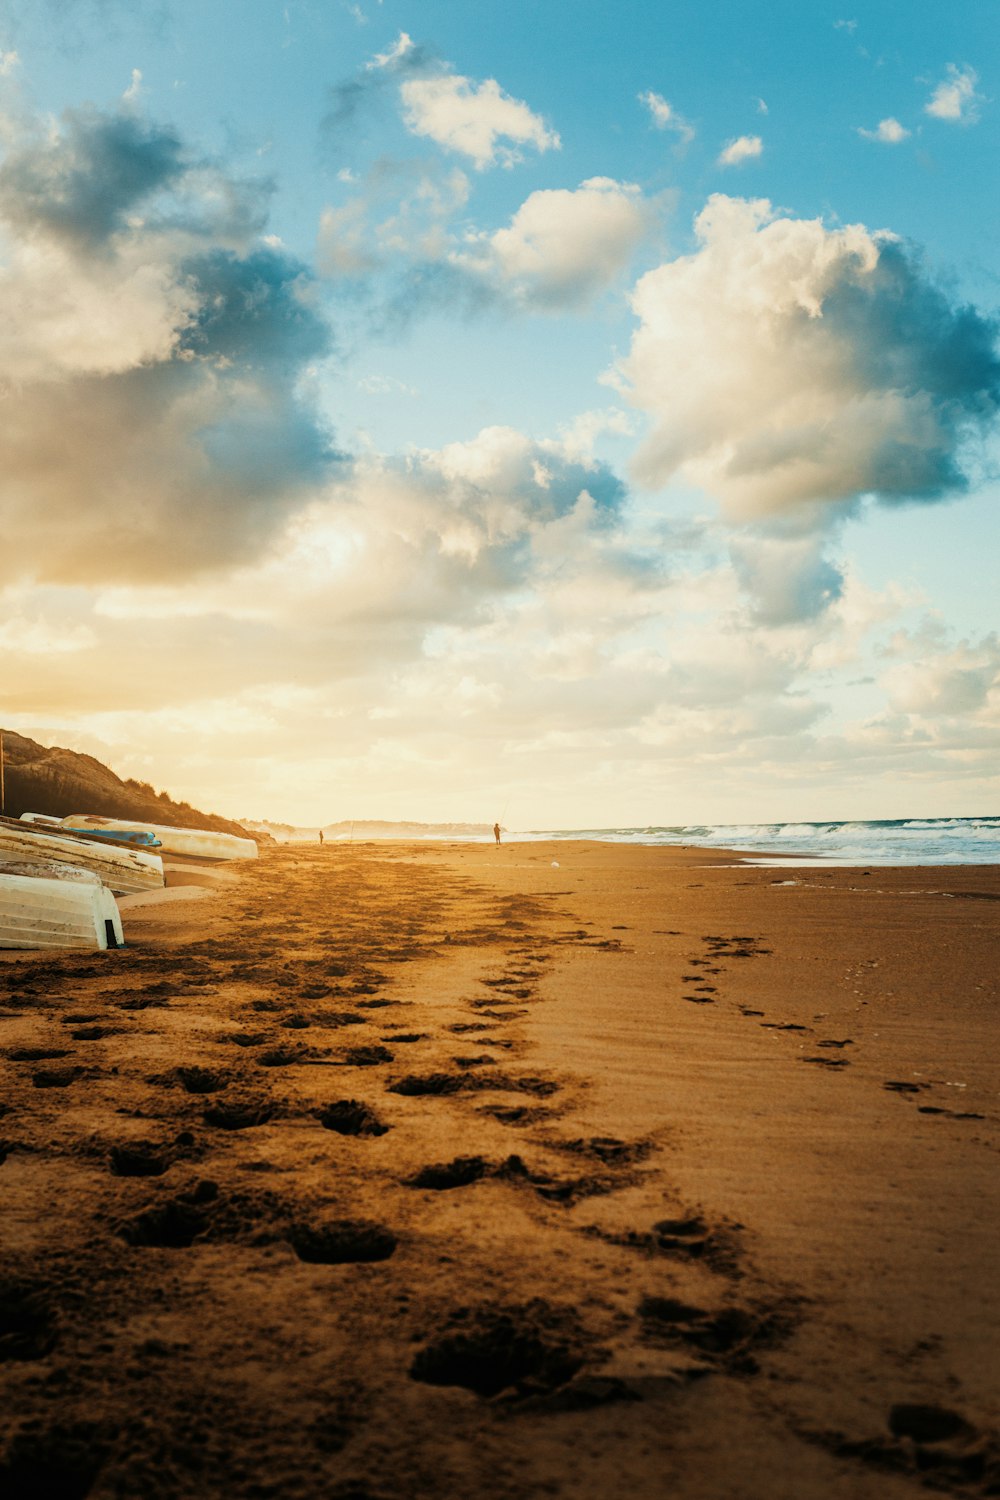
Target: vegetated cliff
[[60, 782]]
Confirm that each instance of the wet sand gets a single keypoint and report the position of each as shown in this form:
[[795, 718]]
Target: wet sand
[[563, 1169]]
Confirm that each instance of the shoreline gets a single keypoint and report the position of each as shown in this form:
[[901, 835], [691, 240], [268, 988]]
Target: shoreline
[[687, 1141]]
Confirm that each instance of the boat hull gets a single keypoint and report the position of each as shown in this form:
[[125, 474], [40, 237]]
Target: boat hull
[[122, 870], [195, 843], [37, 913]]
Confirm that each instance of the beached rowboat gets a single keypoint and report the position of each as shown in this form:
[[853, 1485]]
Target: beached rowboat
[[57, 914], [196, 843], [121, 869], [134, 837], [49, 869]]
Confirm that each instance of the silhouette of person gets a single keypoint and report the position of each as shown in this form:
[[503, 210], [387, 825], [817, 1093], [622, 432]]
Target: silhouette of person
[[496, 832], [321, 835]]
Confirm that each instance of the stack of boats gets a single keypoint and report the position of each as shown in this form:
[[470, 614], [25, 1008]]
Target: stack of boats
[[59, 876]]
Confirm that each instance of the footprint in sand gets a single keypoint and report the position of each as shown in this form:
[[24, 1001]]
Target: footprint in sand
[[444, 1176], [533, 1346], [367, 1057], [351, 1117], [139, 1159], [28, 1324], [342, 1242]]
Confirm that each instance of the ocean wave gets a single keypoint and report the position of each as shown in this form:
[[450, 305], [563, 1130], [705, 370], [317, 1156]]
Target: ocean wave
[[885, 841]]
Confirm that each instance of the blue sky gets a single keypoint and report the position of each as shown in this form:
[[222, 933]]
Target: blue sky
[[588, 407]]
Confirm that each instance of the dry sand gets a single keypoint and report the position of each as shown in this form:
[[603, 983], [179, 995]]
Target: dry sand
[[439, 1170]]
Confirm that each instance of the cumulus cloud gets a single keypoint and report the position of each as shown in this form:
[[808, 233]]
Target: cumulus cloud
[[562, 247], [743, 148], [82, 186], [787, 576], [943, 679], [155, 420], [665, 117], [889, 132], [956, 98], [475, 119], [787, 367]]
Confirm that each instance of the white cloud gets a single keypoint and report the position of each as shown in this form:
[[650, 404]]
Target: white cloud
[[956, 99], [134, 89], [475, 119], [399, 49], [744, 148], [156, 419], [67, 315], [889, 132], [562, 247], [665, 117], [8, 62], [787, 367], [942, 680], [762, 108]]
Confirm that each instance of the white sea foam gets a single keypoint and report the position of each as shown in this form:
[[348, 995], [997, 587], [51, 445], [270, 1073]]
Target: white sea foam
[[913, 841]]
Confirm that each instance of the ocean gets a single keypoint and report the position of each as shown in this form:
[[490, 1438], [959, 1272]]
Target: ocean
[[892, 841]]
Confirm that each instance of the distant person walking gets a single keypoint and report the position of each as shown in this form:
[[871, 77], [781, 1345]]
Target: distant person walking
[[321, 835], [496, 833]]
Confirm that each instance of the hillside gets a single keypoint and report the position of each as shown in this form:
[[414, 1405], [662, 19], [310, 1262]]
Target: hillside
[[60, 782]]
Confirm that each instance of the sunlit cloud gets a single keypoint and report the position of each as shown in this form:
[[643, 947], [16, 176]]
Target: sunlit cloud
[[477, 120], [665, 117], [889, 132], [562, 247], [956, 99], [788, 368], [155, 421], [744, 148]]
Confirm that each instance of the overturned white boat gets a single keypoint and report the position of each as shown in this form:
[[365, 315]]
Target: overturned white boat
[[196, 843], [41, 913], [49, 869], [121, 869]]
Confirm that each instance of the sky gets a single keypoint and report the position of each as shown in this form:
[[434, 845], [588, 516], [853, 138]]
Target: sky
[[582, 415]]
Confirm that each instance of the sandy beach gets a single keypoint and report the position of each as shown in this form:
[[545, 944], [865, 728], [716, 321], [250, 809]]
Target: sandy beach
[[380, 1171]]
